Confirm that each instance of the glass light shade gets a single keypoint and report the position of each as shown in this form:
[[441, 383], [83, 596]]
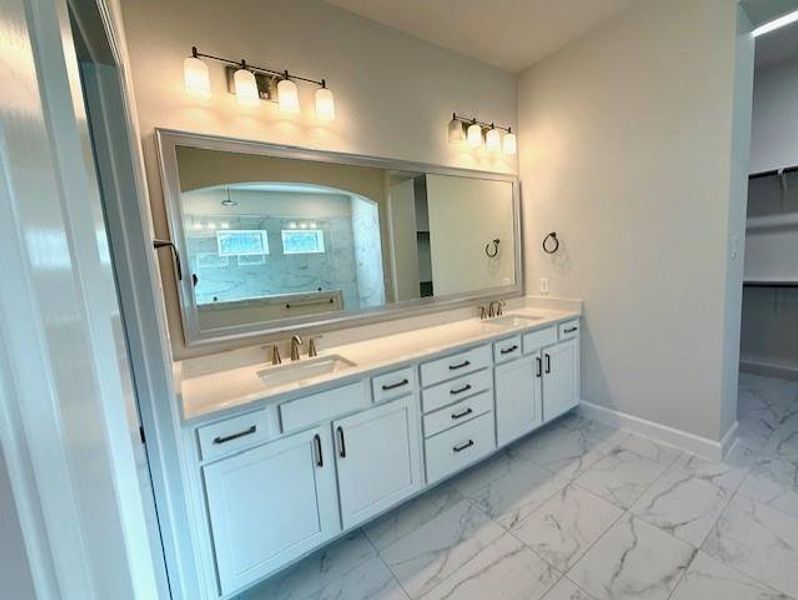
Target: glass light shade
[[287, 96], [246, 87], [510, 144], [456, 133], [325, 104], [493, 139], [196, 78], [474, 135]]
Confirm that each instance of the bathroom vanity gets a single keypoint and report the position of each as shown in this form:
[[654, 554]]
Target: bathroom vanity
[[285, 458], [390, 260]]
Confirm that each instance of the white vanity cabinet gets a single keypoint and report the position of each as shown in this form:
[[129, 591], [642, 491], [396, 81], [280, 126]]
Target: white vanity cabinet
[[377, 458], [271, 504], [560, 378], [518, 398]]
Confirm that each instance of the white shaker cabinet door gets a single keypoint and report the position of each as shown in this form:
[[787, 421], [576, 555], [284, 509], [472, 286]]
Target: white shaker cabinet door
[[518, 407], [270, 505], [560, 378], [377, 455]]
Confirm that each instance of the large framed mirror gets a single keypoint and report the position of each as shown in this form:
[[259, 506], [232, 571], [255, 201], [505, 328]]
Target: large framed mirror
[[272, 239]]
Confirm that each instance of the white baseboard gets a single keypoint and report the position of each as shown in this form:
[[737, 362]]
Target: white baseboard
[[769, 369], [662, 433]]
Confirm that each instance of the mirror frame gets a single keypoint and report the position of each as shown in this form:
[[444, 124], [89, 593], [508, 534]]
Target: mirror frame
[[168, 139]]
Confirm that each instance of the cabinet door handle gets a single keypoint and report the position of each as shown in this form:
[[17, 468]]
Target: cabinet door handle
[[468, 444], [393, 386], [341, 443], [539, 372], [570, 330], [548, 363], [461, 365], [512, 348], [234, 436], [461, 390], [317, 446], [460, 415]]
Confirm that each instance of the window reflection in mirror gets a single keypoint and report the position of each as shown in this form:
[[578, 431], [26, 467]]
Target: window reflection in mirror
[[270, 238]]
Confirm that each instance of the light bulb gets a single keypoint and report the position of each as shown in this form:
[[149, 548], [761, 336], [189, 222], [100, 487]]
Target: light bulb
[[456, 133], [246, 87], [474, 135], [325, 104], [509, 143], [196, 78], [493, 139], [287, 96]]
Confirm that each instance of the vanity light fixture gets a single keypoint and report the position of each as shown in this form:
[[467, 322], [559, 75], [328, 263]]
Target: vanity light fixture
[[474, 132], [196, 77], [493, 139], [245, 85], [251, 83]]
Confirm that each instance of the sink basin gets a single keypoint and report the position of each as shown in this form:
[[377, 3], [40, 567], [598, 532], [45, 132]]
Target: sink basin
[[510, 321], [304, 370]]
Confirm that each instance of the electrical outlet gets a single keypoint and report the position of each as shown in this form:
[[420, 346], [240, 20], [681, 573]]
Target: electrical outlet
[[544, 285]]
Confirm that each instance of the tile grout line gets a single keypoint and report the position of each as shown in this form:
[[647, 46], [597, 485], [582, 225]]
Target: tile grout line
[[387, 566]]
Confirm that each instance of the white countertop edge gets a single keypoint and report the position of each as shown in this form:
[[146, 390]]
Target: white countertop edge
[[194, 411]]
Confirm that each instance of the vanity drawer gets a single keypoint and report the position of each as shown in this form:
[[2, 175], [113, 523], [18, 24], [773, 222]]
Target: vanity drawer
[[567, 330], [458, 447], [233, 434], [507, 349], [393, 385], [458, 389], [457, 364], [323, 406], [535, 340], [459, 413]]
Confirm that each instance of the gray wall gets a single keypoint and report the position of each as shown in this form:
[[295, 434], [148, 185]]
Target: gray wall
[[626, 150], [15, 572]]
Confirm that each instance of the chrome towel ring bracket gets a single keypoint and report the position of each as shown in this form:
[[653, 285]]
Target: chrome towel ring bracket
[[492, 248], [550, 243]]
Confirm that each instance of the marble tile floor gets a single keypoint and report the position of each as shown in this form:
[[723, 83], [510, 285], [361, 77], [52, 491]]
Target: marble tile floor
[[581, 511]]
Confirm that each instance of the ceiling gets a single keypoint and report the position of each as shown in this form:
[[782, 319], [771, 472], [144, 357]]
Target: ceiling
[[509, 34], [777, 46]]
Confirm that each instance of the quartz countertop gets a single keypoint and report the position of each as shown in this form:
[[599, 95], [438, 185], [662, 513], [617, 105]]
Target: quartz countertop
[[209, 385]]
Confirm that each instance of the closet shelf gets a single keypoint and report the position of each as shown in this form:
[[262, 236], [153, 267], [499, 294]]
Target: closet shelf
[[770, 221], [774, 283]]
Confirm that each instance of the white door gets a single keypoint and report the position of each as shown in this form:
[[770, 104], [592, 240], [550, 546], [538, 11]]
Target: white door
[[378, 458], [560, 382], [518, 408], [271, 504]]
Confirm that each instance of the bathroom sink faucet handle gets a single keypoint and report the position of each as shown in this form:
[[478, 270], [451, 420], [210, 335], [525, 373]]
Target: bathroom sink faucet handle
[[312, 350], [276, 358]]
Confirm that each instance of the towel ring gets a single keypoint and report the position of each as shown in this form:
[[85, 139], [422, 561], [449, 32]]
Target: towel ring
[[547, 246], [492, 247]]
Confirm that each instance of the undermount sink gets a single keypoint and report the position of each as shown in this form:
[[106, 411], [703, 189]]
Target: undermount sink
[[510, 321], [303, 370]]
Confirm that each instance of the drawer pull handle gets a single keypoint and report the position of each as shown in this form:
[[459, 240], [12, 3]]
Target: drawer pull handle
[[461, 365], [461, 390], [341, 443], [468, 444], [393, 386], [234, 436], [512, 348], [460, 415], [548, 363], [539, 372], [570, 329], [319, 455]]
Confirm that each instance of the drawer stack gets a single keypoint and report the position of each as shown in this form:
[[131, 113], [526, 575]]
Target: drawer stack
[[457, 401]]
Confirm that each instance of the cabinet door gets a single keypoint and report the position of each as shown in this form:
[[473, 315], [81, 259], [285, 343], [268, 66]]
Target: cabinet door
[[518, 408], [377, 458], [560, 379], [271, 504]]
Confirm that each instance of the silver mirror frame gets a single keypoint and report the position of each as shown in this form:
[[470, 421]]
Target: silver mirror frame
[[167, 140]]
